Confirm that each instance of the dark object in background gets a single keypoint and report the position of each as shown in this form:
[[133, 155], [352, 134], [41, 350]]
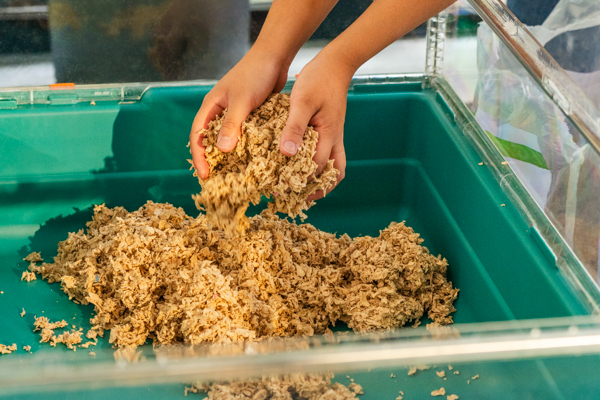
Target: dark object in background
[[104, 41], [342, 16], [24, 37], [24, 27], [531, 12], [574, 50]]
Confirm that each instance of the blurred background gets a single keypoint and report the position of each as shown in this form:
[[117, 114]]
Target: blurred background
[[108, 41]]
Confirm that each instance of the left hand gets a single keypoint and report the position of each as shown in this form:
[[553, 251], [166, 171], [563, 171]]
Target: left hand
[[318, 99]]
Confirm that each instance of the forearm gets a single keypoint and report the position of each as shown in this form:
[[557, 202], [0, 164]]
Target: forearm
[[289, 24], [380, 25]]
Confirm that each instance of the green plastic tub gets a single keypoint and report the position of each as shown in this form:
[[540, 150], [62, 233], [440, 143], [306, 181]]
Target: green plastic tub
[[407, 160]]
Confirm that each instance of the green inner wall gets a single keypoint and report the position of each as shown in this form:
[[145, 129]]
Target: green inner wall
[[406, 161]]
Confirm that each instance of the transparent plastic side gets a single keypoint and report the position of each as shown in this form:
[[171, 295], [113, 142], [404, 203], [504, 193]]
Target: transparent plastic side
[[11, 98], [544, 155], [500, 354]]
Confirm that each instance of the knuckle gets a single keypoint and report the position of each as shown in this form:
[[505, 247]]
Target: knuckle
[[297, 98], [295, 130], [228, 126]]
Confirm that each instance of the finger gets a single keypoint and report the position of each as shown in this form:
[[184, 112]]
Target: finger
[[338, 155], [295, 126], [232, 125], [197, 150], [208, 111], [323, 149]]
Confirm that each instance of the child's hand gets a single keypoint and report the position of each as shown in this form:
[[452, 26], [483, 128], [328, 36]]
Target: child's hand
[[243, 89], [319, 99]]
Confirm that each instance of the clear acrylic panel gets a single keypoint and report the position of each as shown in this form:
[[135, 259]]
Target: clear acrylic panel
[[547, 136], [549, 359]]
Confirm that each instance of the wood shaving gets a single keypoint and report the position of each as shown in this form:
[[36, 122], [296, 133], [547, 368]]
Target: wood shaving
[[413, 370], [69, 339], [28, 276], [456, 372], [22, 313], [34, 257], [44, 323], [91, 334], [356, 388], [441, 374], [399, 398], [401, 392], [452, 397], [295, 386], [256, 167], [8, 349], [27, 348], [475, 377], [439, 392], [392, 375], [158, 274], [450, 367], [92, 354]]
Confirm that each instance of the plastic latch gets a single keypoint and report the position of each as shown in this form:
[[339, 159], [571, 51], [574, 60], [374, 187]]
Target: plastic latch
[[62, 86], [543, 245], [63, 98], [8, 104]]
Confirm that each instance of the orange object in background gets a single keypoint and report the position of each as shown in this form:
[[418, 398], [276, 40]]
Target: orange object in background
[[62, 86]]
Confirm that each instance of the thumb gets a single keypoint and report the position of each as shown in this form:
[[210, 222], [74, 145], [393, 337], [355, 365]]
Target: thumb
[[293, 132], [231, 127]]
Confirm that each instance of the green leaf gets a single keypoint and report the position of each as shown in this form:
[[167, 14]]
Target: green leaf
[[518, 151]]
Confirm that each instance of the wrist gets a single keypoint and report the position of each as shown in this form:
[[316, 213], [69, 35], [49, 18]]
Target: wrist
[[339, 62], [269, 51]]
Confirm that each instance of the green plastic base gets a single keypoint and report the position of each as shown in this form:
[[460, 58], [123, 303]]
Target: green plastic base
[[406, 161]]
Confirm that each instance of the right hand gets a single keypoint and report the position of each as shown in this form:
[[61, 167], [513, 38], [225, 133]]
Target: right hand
[[241, 90]]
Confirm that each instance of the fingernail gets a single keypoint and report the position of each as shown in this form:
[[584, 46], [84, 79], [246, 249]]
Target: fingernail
[[223, 142], [290, 147]]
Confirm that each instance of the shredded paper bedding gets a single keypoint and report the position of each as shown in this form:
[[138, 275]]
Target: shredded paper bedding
[[221, 277]]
